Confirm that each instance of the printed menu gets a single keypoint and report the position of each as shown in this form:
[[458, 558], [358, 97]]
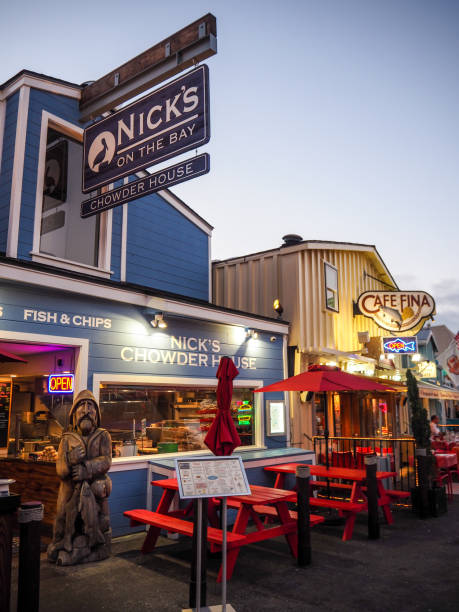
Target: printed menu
[[213, 477]]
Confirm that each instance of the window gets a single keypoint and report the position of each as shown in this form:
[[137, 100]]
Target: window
[[162, 419], [331, 287], [63, 233]]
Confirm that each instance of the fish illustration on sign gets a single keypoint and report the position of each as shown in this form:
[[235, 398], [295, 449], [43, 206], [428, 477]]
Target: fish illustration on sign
[[391, 316]]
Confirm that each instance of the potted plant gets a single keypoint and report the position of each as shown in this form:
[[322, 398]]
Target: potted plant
[[427, 498]]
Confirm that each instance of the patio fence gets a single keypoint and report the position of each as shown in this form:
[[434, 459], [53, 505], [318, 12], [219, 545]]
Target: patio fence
[[397, 455]]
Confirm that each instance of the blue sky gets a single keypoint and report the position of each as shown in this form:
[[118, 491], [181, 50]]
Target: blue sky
[[333, 119]]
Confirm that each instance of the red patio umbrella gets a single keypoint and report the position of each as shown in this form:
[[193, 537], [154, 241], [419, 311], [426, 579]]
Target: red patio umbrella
[[319, 378], [222, 437]]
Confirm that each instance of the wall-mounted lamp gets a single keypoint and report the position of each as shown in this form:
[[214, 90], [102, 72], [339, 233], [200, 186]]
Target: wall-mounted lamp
[[416, 357], [273, 339], [159, 321], [278, 307], [251, 333]]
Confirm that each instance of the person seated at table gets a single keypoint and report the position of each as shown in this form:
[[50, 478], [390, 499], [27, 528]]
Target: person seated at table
[[435, 433]]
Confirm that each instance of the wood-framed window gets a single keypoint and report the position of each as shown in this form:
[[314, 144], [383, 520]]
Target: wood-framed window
[[331, 287]]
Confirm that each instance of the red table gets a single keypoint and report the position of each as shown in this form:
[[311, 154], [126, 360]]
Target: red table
[[248, 507], [356, 476]]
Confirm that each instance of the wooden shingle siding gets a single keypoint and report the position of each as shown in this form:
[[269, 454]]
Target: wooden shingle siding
[[9, 137]]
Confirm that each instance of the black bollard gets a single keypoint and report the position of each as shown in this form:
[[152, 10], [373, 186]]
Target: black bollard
[[30, 515], [8, 506], [372, 497], [304, 532]]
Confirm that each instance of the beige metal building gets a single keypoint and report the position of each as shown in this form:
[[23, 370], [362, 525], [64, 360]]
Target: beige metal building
[[317, 284]]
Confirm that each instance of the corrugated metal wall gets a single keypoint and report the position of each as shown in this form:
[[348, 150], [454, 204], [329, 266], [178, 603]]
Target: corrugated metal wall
[[296, 277]]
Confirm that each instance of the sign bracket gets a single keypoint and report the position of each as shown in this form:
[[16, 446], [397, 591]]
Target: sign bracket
[[182, 50]]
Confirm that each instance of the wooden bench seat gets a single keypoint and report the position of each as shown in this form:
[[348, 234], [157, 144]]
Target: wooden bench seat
[[336, 504], [396, 494], [177, 525], [314, 519], [322, 484]]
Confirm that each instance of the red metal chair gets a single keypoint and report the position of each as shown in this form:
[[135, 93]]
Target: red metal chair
[[342, 459]]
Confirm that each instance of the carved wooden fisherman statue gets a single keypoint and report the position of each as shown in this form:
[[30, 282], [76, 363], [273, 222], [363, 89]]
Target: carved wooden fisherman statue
[[82, 530]]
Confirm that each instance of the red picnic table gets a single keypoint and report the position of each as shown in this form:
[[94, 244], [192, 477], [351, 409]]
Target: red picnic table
[[263, 501], [357, 498]]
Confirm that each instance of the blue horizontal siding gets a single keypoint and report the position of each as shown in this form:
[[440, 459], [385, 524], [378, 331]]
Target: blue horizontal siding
[[6, 172], [165, 250], [129, 492]]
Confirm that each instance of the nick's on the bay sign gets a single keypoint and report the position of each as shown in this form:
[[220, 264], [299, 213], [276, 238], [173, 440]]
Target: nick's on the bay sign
[[161, 125]]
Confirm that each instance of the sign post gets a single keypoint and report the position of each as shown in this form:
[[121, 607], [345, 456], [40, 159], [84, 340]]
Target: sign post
[[203, 477]]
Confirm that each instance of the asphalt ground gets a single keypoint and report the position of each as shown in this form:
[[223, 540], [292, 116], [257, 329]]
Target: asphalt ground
[[413, 566]]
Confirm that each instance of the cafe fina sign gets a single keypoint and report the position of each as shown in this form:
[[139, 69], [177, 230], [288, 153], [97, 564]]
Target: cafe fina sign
[[168, 122], [396, 311]]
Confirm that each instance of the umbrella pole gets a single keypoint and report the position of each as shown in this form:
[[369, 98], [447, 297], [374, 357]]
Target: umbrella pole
[[326, 435]]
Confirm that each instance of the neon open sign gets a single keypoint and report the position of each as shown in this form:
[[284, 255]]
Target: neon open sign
[[60, 383], [401, 345]]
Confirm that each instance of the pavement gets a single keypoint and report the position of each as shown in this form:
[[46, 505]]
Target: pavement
[[412, 567]]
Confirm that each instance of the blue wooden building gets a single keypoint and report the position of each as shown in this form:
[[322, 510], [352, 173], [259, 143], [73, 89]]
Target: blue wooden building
[[92, 297]]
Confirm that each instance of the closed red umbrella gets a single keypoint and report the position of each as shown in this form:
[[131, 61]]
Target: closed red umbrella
[[325, 378], [222, 437]]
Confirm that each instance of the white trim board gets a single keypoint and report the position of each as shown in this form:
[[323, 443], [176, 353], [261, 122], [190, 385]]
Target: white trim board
[[185, 211], [105, 240], [18, 173], [2, 128], [40, 83], [81, 360]]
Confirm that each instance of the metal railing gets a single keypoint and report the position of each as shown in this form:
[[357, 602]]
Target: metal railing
[[397, 455]]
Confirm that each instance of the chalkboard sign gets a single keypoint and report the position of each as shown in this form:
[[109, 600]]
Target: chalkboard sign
[[5, 397]]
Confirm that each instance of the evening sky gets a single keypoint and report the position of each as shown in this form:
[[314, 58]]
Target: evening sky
[[333, 119]]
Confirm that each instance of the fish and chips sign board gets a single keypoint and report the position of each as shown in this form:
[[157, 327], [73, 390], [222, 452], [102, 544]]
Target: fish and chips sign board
[[397, 311], [163, 124]]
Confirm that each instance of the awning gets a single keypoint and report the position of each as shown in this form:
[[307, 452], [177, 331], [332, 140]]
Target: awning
[[430, 391]]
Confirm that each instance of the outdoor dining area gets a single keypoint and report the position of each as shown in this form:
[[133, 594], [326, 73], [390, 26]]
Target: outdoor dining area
[[333, 493]]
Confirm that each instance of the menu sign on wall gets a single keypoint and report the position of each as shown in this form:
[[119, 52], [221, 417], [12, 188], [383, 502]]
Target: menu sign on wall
[[396, 311], [5, 402]]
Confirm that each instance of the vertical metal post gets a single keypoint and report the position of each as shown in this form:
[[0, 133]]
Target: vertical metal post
[[198, 555], [203, 541], [304, 532], [224, 550], [372, 497], [195, 546], [30, 515], [8, 506]]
